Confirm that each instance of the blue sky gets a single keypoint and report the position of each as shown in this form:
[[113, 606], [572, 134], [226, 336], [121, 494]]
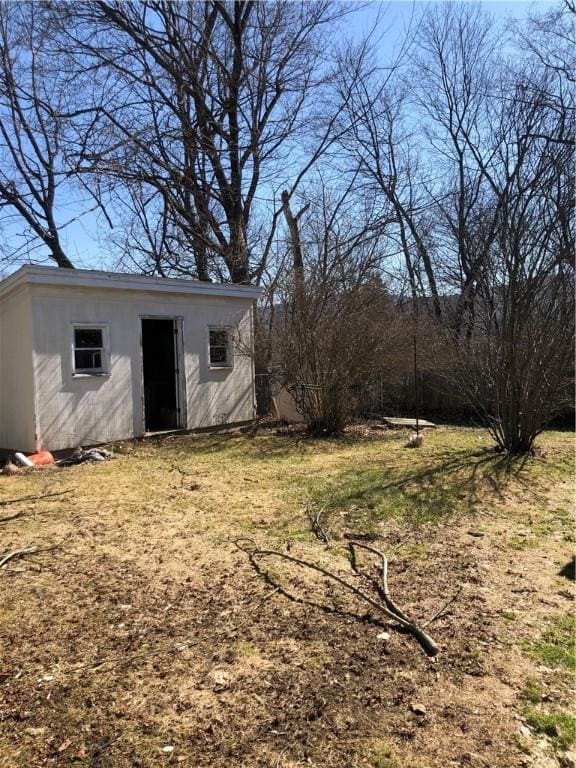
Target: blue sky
[[398, 15], [85, 239]]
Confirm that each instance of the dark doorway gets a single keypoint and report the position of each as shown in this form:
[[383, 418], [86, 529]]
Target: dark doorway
[[160, 364]]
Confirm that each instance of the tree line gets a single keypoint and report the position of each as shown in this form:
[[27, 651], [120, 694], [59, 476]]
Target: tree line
[[378, 195]]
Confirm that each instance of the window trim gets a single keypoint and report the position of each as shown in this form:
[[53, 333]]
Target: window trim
[[229, 364], [104, 370]]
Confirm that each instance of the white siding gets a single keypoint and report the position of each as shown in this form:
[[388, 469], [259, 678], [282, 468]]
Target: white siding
[[73, 410], [17, 428]]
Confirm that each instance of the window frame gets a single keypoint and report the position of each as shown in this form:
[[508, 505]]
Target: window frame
[[229, 363], [104, 369]]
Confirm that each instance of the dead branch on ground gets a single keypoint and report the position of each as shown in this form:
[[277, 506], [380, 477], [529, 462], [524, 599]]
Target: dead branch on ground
[[389, 608], [33, 550], [383, 590], [314, 516], [5, 502], [441, 612], [12, 517]]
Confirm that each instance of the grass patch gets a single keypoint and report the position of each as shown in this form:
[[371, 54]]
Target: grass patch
[[247, 650], [556, 646], [556, 521], [520, 543], [560, 727], [532, 691], [414, 551], [371, 495], [455, 471], [381, 756]]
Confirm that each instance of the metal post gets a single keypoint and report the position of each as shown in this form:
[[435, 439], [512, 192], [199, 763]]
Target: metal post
[[416, 401]]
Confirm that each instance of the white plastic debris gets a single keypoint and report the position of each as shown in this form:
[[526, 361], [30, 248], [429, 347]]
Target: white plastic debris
[[23, 460]]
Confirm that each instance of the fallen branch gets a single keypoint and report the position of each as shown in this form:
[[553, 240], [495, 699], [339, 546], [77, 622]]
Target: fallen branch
[[5, 502], [315, 524], [417, 631], [34, 550], [106, 744], [423, 638], [446, 605], [12, 517], [17, 553], [383, 591]]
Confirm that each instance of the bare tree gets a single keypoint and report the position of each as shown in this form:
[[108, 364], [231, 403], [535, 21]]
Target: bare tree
[[518, 364], [331, 306], [388, 166], [39, 140], [214, 109], [455, 62]]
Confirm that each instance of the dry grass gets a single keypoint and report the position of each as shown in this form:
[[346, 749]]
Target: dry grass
[[147, 628]]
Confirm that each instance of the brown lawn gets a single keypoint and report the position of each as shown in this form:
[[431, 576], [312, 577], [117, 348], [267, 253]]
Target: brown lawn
[[147, 638]]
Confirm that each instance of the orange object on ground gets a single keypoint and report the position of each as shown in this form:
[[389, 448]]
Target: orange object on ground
[[41, 458]]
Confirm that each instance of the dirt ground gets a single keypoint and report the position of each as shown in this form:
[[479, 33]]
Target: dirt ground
[[139, 634]]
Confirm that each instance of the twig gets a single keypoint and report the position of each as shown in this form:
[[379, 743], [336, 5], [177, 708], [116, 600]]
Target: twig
[[385, 591], [423, 638], [12, 517], [416, 630], [400, 544], [17, 553], [4, 502], [105, 745], [306, 564], [34, 550], [446, 605], [316, 525]]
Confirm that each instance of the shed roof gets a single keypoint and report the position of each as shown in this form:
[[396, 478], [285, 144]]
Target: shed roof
[[88, 278]]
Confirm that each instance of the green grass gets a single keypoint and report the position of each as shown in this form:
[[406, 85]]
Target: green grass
[[381, 756], [556, 647], [520, 543], [560, 727], [413, 551], [370, 495], [556, 521], [532, 691], [361, 484], [453, 472], [247, 650]]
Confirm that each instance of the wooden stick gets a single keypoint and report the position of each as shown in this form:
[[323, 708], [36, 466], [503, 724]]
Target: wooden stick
[[417, 631], [383, 577], [28, 551], [17, 553], [316, 525], [11, 517], [446, 605], [4, 502], [423, 638]]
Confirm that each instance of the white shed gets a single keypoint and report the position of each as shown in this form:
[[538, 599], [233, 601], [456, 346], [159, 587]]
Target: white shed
[[89, 357]]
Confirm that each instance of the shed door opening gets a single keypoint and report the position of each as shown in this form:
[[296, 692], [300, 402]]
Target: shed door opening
[[160, 365]]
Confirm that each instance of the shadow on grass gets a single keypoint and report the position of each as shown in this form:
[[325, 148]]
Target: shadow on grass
[[258, 446], [472, 467], [366, 495], [569, 570]]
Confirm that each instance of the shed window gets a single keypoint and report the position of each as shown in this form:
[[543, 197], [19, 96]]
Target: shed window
[[220, 348], [89, 350]]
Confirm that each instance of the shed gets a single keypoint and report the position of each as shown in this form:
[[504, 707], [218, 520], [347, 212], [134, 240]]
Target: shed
[[89, 356]]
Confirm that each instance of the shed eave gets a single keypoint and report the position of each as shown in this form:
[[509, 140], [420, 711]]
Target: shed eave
[[86, 278]]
